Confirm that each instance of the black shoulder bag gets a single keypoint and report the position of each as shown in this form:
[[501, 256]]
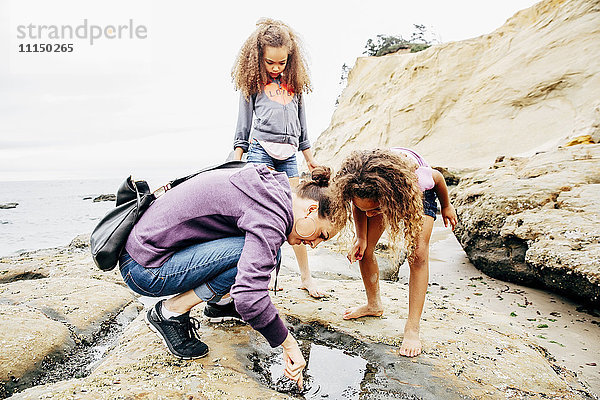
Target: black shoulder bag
[[133, 199]]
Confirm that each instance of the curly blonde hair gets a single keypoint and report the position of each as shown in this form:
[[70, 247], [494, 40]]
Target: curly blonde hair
[[390, 179], [249, 73]]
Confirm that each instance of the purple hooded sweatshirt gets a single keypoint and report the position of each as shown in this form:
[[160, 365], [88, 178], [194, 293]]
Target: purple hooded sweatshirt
[[252, 202]]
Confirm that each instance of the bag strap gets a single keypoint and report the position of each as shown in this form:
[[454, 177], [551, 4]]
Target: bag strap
[[138, 201], [226, 165]]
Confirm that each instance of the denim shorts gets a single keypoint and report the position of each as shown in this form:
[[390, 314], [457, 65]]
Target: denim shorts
[[429, 204], [258, 155]]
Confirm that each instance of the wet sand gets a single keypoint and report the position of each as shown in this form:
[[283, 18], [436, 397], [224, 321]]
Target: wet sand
[[569, 333]]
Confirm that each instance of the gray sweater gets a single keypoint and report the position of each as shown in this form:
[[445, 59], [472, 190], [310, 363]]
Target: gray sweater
[[279, 118]]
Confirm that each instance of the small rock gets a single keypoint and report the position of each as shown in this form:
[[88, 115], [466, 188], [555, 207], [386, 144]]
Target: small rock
[[105, 197], [7, 206]]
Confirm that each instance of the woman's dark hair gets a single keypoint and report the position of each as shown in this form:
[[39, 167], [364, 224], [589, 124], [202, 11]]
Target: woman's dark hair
[[317, 189]]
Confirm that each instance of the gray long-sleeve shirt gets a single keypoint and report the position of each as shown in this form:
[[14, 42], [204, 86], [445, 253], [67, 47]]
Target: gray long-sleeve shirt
[[279, 118], [252, 202]]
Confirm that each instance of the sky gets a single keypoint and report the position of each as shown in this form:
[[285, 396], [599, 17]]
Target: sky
[[158, 102]]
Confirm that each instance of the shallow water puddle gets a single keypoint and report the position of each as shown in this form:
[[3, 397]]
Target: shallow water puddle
[[330, 373], [342, 367]]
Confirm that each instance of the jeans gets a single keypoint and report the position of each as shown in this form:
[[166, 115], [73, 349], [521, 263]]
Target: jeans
[[258, 155], [209, 269]]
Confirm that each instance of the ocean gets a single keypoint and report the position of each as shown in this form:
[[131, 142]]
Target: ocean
[[50, 213]]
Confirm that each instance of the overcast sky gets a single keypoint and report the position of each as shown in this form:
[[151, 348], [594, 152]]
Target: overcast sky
[[164, 105]]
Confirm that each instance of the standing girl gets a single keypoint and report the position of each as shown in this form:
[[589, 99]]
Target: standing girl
[[396, 189], [270, 71]]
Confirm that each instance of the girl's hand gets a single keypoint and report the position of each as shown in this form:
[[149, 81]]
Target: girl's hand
[[238, 153], [358, 250], [311, 164], [293, 360], [310, 159], [449, 216]]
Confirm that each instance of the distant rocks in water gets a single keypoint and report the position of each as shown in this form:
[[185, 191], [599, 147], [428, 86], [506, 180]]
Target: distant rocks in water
[[105, 197], [536, 220], [80, 242], [7, 206]]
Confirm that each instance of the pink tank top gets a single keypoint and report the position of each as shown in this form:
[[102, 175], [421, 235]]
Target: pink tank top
[[424, 172]]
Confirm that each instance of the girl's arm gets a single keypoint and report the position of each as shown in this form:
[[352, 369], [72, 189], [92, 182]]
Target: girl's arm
[[244, 123], [311, 163], [360, 224], [448, 212], [238, 153], [303, 142]]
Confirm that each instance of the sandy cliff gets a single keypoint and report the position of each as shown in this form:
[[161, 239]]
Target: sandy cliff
[[525, 87]]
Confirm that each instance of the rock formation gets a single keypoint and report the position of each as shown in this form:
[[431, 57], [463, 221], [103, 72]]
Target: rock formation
[[105, 197], [536, 220], [52, 301], [529, 85], [469, 351]]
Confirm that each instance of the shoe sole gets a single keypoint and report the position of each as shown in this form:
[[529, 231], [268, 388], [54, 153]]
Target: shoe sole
[[215, 320], [155, 330]]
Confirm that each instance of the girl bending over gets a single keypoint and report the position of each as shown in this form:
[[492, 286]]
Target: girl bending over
[[395, 189]]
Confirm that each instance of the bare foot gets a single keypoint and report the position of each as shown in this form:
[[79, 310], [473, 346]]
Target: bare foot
[[363, 311], [310, 285], [411, 344], [279, 288], [272, 285]]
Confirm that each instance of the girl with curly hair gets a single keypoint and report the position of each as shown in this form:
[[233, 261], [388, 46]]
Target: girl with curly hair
[[271, 73], [395, 189]]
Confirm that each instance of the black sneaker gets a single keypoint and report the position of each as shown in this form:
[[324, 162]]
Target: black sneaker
[[177, 333], [219, 313]]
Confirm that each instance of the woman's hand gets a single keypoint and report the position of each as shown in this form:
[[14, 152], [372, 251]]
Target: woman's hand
[[358, 250], [293, 360], [449, 216]]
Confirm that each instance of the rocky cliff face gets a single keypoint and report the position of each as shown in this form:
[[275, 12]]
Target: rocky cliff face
[[536, 220], [528, 86], [525, 92]]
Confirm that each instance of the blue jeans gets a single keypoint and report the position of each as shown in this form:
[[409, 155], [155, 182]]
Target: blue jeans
[[258, 155], [208, 269]]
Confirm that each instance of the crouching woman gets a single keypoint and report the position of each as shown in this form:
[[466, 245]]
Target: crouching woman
[[218, 233]]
